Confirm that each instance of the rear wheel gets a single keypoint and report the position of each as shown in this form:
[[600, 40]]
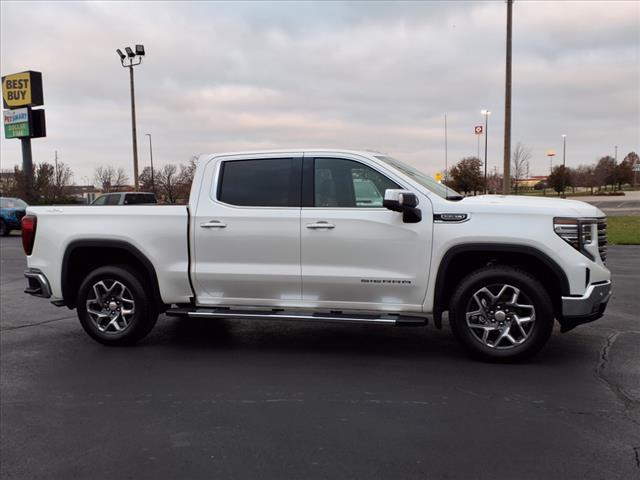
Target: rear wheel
[[501, 313], [113, 306]]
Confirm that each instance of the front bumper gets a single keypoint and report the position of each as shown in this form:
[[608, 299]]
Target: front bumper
[[586, 308], [37, 283]]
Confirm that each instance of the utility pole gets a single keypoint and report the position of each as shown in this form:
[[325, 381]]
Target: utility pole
[[564, 163], [153, 183], [506, 182]]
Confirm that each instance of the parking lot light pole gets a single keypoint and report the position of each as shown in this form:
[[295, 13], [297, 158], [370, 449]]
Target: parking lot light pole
[[486, 114], [564, 163], [130, 60], [153, 184]]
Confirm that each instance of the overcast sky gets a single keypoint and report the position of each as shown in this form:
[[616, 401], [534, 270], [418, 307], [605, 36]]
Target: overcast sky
[[235, 76]]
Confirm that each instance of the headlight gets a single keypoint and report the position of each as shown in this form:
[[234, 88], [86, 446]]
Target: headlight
[[580, 233]]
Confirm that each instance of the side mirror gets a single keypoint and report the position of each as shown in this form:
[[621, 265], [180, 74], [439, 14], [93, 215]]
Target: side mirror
[[403, 201]]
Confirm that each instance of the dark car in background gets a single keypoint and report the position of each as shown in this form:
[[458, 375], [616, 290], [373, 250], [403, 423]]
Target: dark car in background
[[11, 212]]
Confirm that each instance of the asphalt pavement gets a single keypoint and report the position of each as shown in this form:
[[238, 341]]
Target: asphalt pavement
[[277, 400]]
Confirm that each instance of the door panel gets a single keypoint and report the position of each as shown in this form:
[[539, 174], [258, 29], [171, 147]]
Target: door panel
[[248, 254], [370, 259]]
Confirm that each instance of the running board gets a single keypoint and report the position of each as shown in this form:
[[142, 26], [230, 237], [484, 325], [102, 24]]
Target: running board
[[279, 314]]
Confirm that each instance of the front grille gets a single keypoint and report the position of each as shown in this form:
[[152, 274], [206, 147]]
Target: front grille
[[602, 239]]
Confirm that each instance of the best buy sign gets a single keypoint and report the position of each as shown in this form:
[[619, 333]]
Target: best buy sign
[[22, 89], [16, 123]]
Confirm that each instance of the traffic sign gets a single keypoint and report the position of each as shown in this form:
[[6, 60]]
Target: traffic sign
[[477, 129], [438, 177]]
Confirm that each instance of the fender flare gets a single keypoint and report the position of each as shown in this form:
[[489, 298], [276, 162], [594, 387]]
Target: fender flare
[[448, 257], [67, 295]]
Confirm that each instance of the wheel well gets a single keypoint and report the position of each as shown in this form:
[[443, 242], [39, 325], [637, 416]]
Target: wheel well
[[458, 263], [81, 259]]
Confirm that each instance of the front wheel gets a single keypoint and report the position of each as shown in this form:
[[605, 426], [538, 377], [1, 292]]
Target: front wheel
[[113, 306], [501, 313]]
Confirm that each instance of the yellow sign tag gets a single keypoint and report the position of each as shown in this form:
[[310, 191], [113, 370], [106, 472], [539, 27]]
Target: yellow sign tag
[[438, 177], [22, 89]]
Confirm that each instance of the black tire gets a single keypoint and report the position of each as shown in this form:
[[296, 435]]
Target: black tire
[[4, 230], [533, 335], [134, 326]]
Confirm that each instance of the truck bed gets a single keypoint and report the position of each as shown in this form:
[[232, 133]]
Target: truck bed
[[159, 232]]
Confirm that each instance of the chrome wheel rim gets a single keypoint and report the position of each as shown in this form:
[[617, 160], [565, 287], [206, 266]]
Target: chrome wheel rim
[[500, 316], [111, 306]]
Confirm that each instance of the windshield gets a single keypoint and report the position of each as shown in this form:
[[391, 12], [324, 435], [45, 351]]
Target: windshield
[[12, 203], [422, 178]]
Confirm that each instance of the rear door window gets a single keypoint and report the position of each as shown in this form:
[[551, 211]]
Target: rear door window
[[270, 182]]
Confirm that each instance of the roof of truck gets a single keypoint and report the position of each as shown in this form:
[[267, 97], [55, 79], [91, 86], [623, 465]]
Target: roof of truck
[[294, 150]]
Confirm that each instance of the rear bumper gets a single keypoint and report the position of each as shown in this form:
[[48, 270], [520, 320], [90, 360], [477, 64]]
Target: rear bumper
[[37, 283], [586, 308]]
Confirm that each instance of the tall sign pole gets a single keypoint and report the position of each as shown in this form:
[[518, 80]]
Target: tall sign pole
[[506, 182], [133, 129], [20, 92], [130, 60], [486, 114]]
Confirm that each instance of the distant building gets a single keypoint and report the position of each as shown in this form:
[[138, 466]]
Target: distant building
[[531, 181]]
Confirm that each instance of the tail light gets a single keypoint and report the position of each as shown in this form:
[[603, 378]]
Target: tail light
[[29, 223]]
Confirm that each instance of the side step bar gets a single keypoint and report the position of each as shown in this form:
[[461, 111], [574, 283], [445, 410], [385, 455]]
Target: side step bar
[[279, 314]]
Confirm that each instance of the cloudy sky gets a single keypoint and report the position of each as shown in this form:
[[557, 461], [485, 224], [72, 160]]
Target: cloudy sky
[[236, 76]]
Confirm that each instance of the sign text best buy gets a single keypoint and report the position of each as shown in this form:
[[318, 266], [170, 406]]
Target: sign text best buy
[[22, 89]]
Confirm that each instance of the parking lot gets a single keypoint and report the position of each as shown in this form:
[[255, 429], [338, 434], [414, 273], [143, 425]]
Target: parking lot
[[259, 399]]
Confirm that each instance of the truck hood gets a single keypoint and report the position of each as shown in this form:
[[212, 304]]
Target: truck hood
[[516, 204]]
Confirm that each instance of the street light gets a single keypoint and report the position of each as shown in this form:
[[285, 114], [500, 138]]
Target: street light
[[130, 60], [153, 184], [486, 114], [564, 163]]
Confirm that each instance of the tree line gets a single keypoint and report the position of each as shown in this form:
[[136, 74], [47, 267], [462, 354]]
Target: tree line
[[53, 183], [467, 176]]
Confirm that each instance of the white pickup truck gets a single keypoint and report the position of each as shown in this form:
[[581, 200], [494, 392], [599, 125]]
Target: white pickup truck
[[326, 235]]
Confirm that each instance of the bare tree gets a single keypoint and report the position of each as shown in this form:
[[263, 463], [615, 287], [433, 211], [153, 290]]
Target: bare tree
[[62, 178], [584, 176], [520, 162], [109, 179], [494, 181], [144, 180], [168, 182]]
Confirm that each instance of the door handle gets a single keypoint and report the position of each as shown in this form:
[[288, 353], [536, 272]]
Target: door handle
[[321, 224], [213, 224]]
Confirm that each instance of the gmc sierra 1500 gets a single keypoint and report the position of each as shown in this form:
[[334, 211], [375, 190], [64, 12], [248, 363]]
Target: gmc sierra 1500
[[329, 235]]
